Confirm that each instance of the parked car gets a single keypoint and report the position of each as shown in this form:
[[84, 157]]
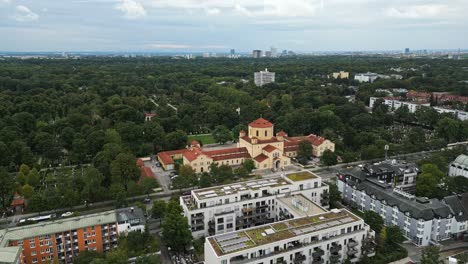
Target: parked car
[[147, 200], [158, 164]]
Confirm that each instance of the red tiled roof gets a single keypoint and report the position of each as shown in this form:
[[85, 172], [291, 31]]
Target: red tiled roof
[[229, 153], [192, 154], [261, 123], [140, 163], [291, 146], [17, 202], [281, 134], [165, 158], [261, 141], [313, 139], [261, 158], [269, 148], [232, 156], [147, 172]]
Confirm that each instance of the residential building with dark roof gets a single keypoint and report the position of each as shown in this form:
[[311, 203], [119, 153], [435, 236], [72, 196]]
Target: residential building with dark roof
[[423, 221], [459, 167]]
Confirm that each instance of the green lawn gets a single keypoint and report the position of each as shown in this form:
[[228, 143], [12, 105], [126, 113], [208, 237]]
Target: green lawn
[[202, 138]]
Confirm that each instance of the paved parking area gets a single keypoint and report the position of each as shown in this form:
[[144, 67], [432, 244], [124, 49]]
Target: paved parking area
[[162, 176]]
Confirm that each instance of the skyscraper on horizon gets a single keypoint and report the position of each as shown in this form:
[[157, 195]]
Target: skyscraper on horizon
[[274, 52], [233, 51], [256, 54]]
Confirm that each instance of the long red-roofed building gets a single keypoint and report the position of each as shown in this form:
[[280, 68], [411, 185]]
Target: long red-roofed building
[[267, 150]]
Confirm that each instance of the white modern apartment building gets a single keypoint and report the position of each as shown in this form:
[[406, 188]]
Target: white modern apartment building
[[264, 77], [394, 104], [423, 221], [462, 115], [326, 237], [224, 209], [369, 77]]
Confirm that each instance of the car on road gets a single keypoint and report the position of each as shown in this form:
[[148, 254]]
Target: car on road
[[147, 200], [158, 164], [67, 214], [174, 176]]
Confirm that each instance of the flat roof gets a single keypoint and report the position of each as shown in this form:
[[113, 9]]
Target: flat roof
[[9, 254], [300, 205], [55, 226], [228, 243], [234, 188], [301, 176]]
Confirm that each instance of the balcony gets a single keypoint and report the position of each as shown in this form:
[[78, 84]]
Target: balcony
[[318, 253], [318, 261], [198, 217], [335, 248], [352, 243], [299, 258], [352, 252]]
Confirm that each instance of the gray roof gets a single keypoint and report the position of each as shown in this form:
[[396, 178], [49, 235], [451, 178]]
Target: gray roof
[[459, 206], [9, 254], [56, 226], [130, 215], [462, 160], [426, 209]]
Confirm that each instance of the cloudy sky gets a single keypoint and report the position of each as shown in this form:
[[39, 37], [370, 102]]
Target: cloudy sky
[[218, 25]]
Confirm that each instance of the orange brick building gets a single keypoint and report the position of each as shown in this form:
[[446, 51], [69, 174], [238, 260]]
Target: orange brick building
[[63, 239]]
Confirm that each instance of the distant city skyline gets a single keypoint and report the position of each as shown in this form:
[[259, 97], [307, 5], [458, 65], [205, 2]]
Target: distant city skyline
[[243, 25]]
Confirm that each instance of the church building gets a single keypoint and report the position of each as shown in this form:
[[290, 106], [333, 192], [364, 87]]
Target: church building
[[259, 143]]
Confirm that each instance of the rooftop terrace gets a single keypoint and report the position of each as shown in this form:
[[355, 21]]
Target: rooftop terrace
[[258, 236], [301, 176], [239, 187], [300, 205]]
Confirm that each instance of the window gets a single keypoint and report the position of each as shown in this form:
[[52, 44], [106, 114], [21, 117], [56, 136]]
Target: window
[[32, 245]]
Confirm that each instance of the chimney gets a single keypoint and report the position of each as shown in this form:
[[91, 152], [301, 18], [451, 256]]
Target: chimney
[[242, 133]]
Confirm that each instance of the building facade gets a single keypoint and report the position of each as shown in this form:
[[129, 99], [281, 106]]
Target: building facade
[[423, 221], [259, 143], [327, 237], [366, 77], [393, 104], [340, 75], [459, 167], [264, 77], [237, 206], [256, 54], [63, 239]]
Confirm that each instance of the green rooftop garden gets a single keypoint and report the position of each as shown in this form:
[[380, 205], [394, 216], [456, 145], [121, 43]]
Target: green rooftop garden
[[301, 176]]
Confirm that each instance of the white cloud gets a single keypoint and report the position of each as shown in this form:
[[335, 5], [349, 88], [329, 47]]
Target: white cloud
[[418, 11], [174, 46], [131, 9], [283, 8], [24, 14]]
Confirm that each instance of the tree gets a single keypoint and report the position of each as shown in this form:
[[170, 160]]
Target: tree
[[148, 184], [221, 134], [205, 180], [304, 152], [430, 255], [187, 172], [24, 169], [335, 195], [176, 140], [117, 256], [33, 178], [249, 165], [428, 180], [27, 191], [153, 259], [7, 185], [124, 169], [220, 174], [87, 257], [159, 209], [462, 258], [92, 188], [374, 220], [394, 236], [329, 158], [176, 231], [118, 193]]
